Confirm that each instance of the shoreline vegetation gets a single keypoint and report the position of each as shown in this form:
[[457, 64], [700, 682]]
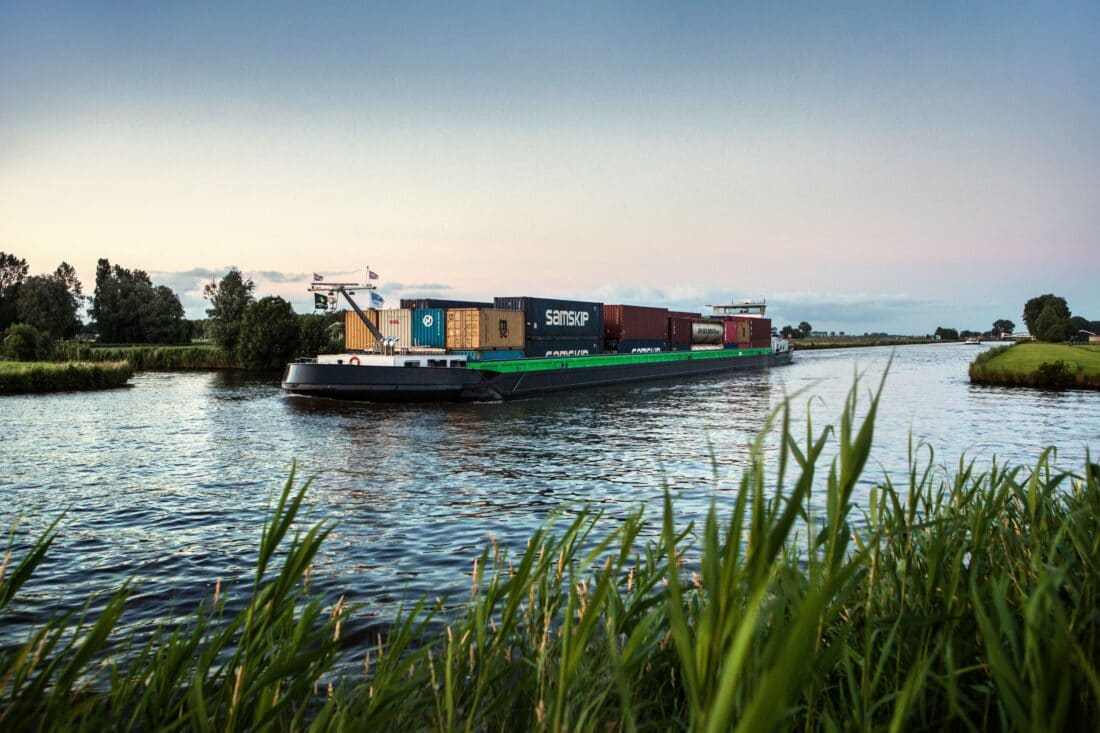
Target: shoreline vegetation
[[852, 342], [144, 358], [964, 601], [1048, 365], [22, 377]]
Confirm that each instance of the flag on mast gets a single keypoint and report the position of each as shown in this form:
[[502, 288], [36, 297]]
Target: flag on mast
[[371, 274], [320, 300], [318, 277], [376, 300]]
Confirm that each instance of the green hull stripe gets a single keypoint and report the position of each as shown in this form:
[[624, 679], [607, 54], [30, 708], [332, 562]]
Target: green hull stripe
[[602, 360]]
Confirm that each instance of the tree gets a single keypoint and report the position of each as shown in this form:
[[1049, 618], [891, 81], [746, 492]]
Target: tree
[[1036, 305], [13, 271], [1003, 326], [805, 328], [25, 343], [269, 334], [1052, 324], [162, 318], [947, 334], [787, 331], [316, 333], [229, 299], [46, 303], [128, 308]]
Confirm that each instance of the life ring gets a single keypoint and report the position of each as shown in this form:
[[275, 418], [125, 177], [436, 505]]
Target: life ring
[[354, 360]]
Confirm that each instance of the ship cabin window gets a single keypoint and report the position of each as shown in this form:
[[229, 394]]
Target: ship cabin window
[[437, 362], [458, 363], [412, 363]]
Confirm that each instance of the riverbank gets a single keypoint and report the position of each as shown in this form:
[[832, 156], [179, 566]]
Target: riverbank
[[1036, 364], [153, 357], [20, 377], [853, 342], [927, 611]]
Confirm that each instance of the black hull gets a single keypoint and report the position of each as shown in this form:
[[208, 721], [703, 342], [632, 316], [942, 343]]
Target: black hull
[[396, 384]]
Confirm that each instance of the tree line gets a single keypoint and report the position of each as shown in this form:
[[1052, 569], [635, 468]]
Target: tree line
[[127, 308]]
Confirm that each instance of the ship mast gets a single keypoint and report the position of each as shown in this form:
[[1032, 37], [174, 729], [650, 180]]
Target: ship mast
[[348, 290]]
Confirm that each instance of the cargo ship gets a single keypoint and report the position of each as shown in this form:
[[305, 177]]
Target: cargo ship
[[444, 350]]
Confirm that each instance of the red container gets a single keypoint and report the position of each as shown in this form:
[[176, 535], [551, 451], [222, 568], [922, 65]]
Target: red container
[[679, 332], [631, 322], [748, 333], [684, 314]]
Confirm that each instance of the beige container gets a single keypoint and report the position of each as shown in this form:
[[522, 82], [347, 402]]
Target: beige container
[[397, 322], [356, 335], [484, 328]]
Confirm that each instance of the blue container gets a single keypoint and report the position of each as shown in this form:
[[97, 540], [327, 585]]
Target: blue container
[[491, 355], [643, 346], [557, 319], [564, 347], [429, 327]]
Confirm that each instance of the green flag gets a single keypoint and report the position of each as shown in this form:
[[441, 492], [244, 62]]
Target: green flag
[[320, 300]]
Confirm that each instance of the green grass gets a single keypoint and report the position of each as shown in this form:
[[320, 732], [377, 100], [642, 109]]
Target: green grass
[[965, 601], [153, 358], [17, 377], [1039, 365]]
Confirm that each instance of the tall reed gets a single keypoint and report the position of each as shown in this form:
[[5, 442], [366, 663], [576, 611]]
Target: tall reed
[[966, 601]]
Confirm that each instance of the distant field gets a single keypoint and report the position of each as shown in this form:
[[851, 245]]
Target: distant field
[[18, 377], [1039, 365]]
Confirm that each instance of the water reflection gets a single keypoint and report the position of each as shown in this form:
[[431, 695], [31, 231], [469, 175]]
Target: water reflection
[[167, 483]]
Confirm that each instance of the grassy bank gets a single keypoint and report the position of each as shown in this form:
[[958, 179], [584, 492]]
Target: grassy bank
[[1039, 365], [153, 358], [964, 602], [852, 342], [17, 377]]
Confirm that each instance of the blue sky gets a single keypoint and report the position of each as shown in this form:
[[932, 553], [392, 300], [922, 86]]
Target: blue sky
[[865, 166]]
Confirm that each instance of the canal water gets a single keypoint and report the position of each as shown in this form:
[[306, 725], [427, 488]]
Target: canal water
[[165, 483]]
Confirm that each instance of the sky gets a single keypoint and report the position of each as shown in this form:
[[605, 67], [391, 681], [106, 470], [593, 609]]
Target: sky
[[863, 166]]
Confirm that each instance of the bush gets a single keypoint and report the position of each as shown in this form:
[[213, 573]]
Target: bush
[[26, 343], [269, 334]]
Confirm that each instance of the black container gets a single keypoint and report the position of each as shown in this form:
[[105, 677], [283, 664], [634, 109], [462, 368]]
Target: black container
[[563, 347], [425, 303], [642, 346], [549, 318]]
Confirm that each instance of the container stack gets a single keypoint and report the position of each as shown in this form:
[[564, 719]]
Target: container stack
[[555, 327], [635, 329]]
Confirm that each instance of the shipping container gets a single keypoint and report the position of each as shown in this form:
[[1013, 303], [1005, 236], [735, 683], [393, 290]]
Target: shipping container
[[679, 332], [737, 332], [429, 327], [548, 318], [642, 346], [396, 323], [707, 333], [563, 347], [684, 314], [497, 355], [419, 303], [356, 335], [484, 328], [624, 322], [749, 332]]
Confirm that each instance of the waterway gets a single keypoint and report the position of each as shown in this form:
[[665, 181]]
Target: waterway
[[165, 484]]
